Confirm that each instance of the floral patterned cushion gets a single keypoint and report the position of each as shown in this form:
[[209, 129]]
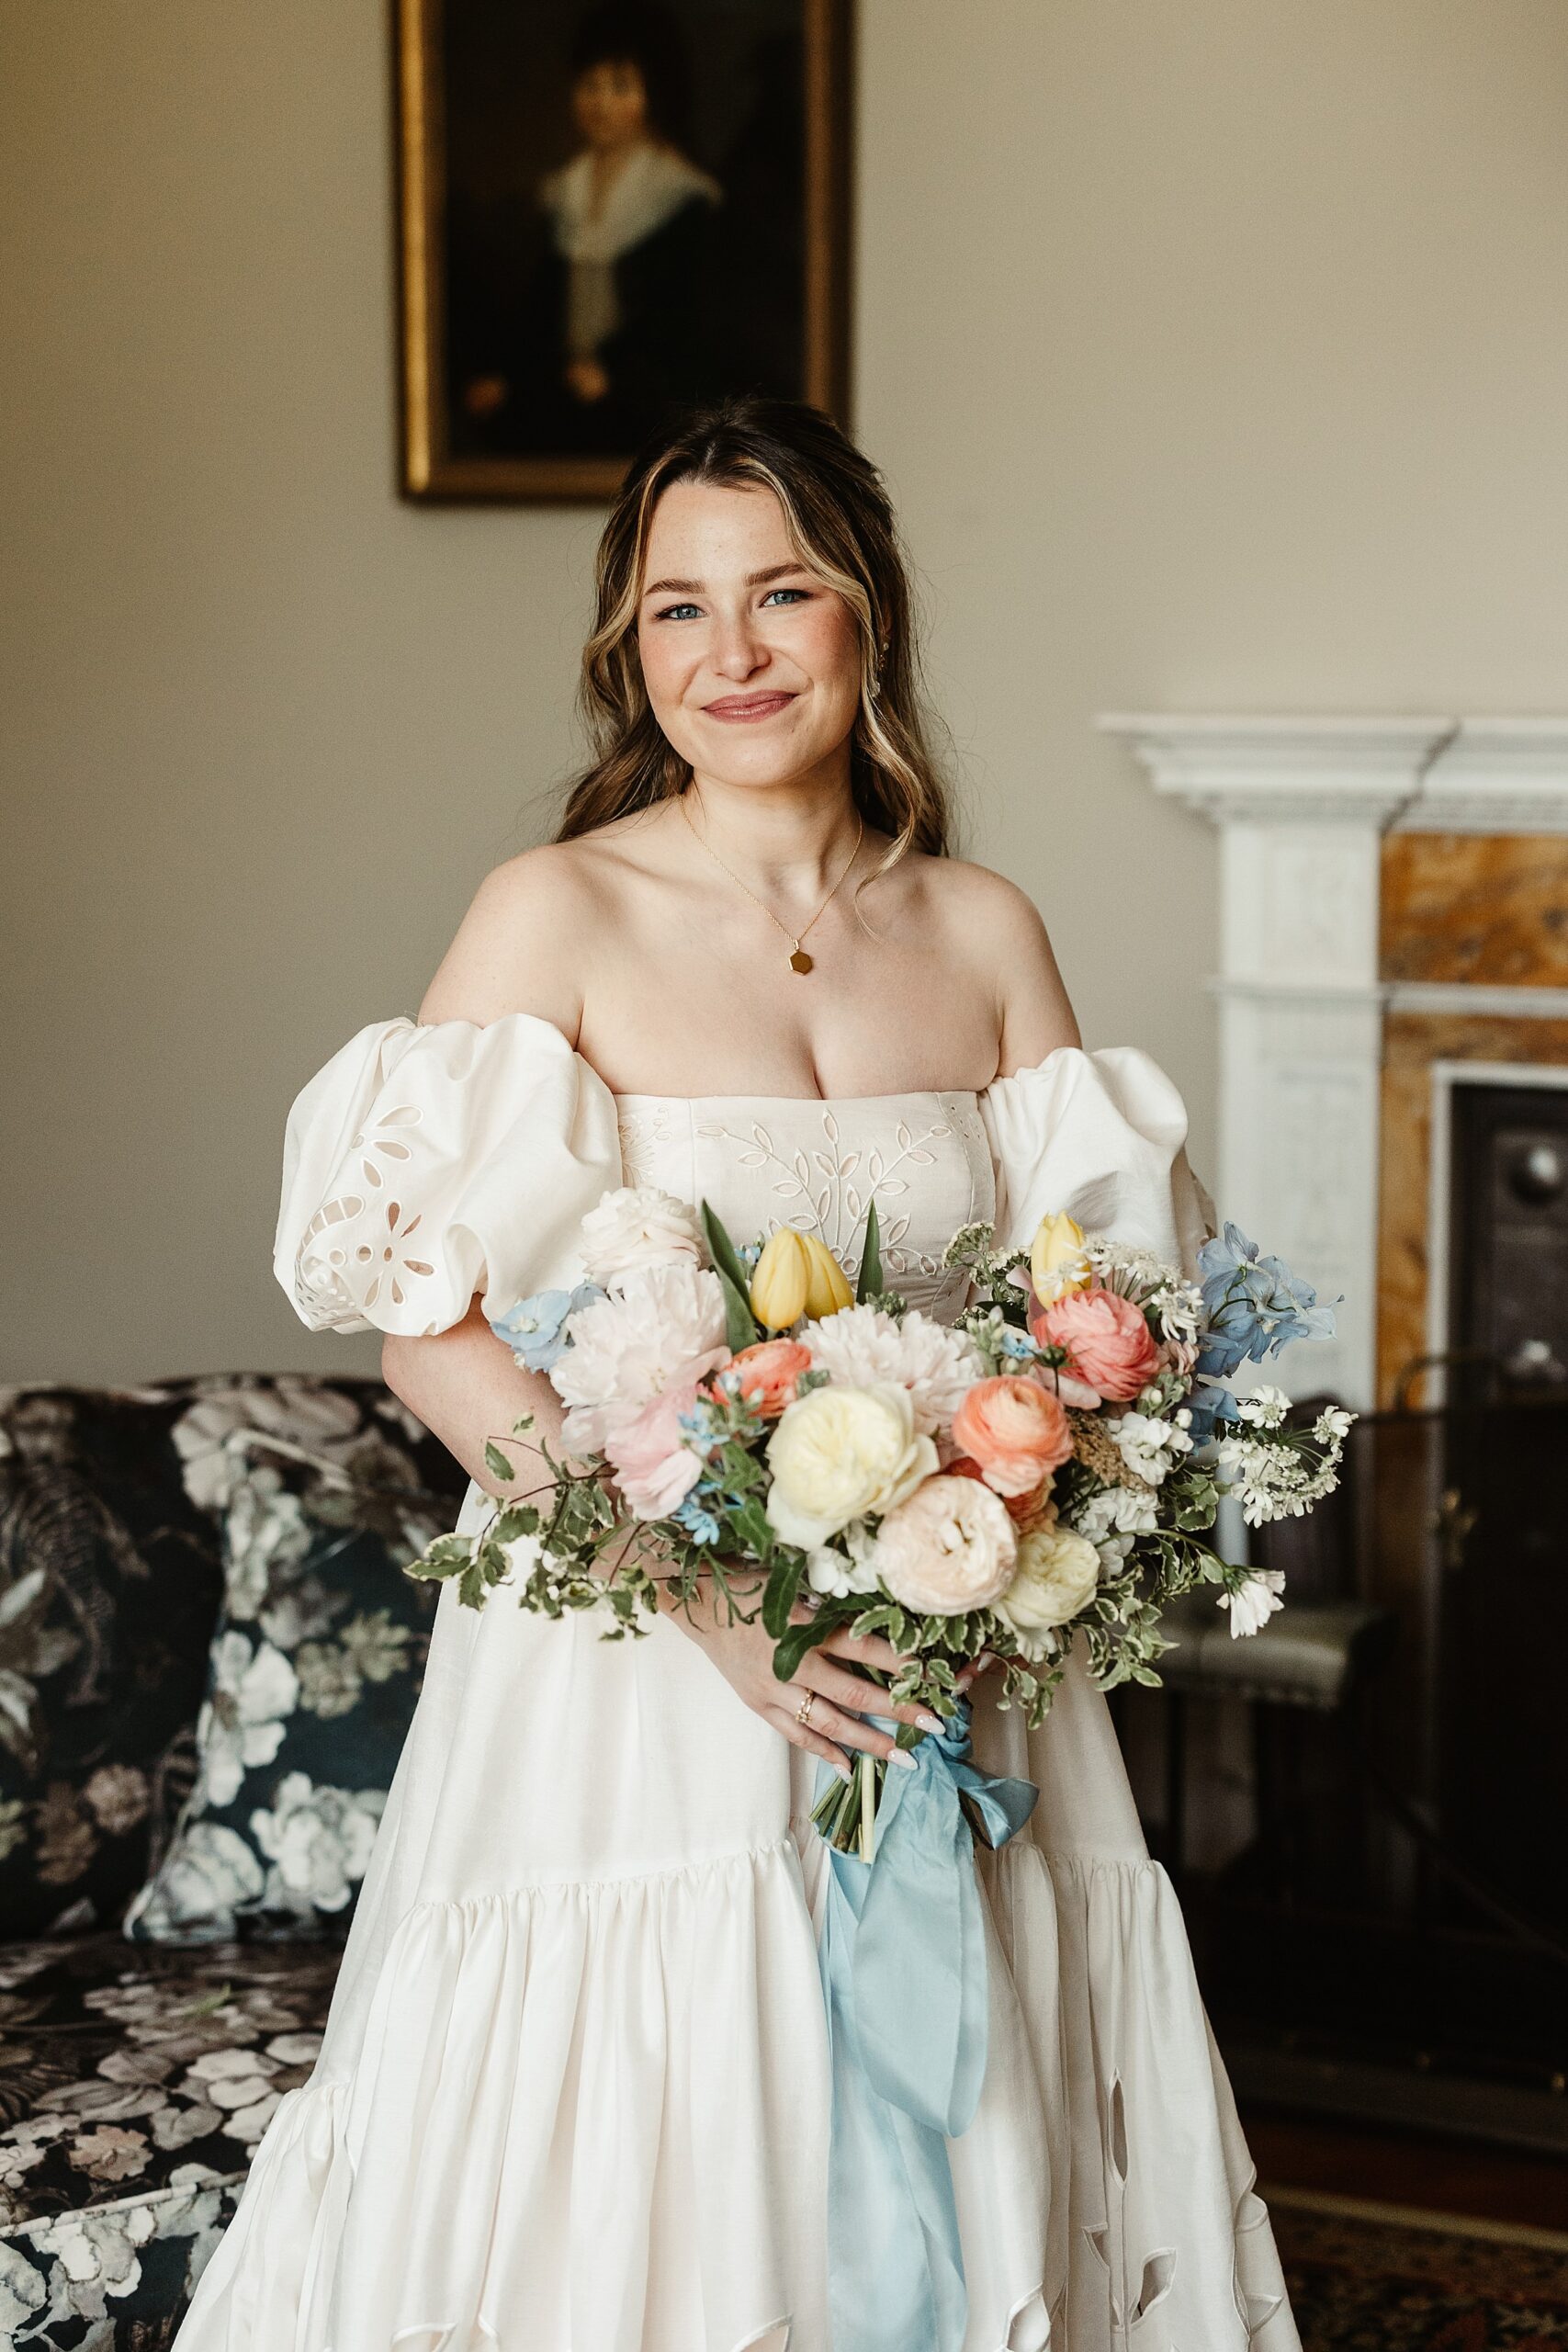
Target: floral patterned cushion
[[315, 1665], [134, 2085], [110, 1583]]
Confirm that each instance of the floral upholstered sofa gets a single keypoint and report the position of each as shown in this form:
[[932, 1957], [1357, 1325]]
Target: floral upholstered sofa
[[207, 1658]]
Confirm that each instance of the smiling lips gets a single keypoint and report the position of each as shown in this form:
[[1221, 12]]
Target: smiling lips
[[746, 706]]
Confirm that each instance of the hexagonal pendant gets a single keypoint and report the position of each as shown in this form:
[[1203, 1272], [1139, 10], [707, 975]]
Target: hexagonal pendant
[[800, 961]]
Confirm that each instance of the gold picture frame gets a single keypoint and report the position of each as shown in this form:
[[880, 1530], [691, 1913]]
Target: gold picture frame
[[462, 439]]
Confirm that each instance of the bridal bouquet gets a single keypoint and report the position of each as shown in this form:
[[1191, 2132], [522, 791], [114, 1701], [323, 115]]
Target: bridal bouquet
[[1043, 1471]]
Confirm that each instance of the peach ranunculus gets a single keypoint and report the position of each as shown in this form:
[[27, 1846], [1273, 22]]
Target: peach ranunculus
[[1024, 1510], [1110, 1346], [948, 1548], [1016, 1430], [766, 1375]]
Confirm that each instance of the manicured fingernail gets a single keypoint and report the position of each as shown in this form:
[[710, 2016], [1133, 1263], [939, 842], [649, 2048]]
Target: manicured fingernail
[[843, 1771], [902, 1757], [928, 1722]]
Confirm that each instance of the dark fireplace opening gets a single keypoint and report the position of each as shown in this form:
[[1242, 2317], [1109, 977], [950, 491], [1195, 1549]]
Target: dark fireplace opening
[[1507, 1269]]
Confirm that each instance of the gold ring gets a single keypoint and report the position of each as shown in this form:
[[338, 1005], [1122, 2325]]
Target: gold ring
[[803, 1713]]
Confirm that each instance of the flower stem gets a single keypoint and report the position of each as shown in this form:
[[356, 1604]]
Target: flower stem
[[867, 1807]]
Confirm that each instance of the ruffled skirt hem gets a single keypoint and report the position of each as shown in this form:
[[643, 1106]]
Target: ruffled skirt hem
[[594, 2117]]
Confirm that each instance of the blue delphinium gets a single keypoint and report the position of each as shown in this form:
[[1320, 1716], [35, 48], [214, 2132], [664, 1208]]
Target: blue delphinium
[[534, 1329], [1210, 1403], [693, 1514], [1254, 1304]]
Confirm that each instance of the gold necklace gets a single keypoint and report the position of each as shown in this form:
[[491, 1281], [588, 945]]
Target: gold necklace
[[799, 961]]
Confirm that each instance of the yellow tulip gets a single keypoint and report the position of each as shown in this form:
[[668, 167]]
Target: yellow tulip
[[830, 1292], [781, 1279], [1055, 1257]]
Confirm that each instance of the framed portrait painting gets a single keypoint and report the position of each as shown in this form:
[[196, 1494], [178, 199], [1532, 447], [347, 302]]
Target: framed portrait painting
[[611, 209]]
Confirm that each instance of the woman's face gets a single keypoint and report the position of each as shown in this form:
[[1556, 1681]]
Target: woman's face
[[610, 103], [752, 663]]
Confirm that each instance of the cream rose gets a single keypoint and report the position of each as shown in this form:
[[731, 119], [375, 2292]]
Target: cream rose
[[843, 1453], [1056, 1573], [949, 1548]]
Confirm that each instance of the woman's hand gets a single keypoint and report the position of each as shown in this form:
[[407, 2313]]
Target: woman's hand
[[841, 1698]]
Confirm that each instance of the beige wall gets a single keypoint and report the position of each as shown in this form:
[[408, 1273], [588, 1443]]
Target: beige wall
[[1218, 352]]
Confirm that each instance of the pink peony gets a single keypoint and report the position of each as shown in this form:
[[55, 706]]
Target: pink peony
[[1110, 1346], [948, 1548], [1015, 1430], [654, 1466], [767, 1374]]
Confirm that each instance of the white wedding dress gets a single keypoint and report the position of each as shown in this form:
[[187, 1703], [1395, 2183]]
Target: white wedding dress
[[574, 2090]]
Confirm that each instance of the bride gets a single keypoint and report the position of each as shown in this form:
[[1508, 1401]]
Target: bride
[[574, 2090]]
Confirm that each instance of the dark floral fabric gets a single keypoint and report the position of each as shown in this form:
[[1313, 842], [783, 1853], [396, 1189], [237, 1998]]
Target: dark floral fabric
[[109, 1584], [134, 2086], [316, 1662]]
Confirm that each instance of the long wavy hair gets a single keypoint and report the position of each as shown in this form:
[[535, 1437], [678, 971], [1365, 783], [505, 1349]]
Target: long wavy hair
[[841, 525]]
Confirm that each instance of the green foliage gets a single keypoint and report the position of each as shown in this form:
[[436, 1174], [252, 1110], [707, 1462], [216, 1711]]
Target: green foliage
[[797, 1639], [870, 1285], [779, 1597], [741, 1327]]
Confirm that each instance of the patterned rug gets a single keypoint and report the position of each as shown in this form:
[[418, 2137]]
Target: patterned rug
[[1364, 2278]]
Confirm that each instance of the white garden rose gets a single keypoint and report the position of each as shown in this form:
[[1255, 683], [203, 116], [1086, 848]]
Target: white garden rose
[[948, 1549], [843, 1453], [639, 1225], [1056, 1574]]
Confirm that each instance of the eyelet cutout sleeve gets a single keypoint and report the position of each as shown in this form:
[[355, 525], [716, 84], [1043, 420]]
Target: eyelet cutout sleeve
[[423, 1166], [1101, 1137]]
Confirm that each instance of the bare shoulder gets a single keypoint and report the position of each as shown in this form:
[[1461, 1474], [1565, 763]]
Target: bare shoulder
[[514, 948], [989, 921], [963, 892]]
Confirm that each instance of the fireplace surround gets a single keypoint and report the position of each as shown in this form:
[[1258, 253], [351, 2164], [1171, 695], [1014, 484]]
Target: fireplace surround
[[1394, 904]]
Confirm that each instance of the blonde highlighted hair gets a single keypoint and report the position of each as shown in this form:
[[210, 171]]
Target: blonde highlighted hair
[[841, 525]]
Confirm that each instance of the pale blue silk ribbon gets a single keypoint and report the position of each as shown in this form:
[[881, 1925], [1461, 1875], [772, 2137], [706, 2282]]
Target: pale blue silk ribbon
[[903, 1961]]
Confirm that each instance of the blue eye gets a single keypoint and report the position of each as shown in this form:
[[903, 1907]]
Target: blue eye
[[796, 596], [678, 611]]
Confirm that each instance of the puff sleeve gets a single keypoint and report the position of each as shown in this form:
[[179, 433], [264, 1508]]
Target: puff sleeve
[[1104, 1137], [423, 1165]]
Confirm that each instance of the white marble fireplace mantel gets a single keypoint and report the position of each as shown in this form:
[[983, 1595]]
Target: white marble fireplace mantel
[[1301, 805]]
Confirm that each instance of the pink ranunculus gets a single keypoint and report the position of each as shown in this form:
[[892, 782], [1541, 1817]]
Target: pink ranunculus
[[1016, 1430], [655, 1468], [767, 1374], [950, 1547], [1110, 1346]]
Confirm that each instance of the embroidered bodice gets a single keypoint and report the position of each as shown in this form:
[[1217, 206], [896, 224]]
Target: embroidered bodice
[[766, 1161], [425, 1167]]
